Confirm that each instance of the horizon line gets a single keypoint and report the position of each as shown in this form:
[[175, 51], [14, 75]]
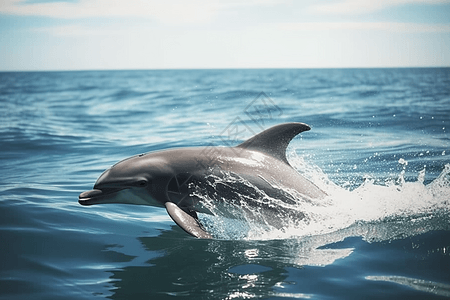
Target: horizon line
[[231, 68]]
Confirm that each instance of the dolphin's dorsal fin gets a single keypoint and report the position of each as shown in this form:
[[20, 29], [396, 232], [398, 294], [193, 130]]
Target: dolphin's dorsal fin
[[274, 141], [187, 222]]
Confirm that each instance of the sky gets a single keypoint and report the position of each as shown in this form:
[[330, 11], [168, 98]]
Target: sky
[[215, 34]]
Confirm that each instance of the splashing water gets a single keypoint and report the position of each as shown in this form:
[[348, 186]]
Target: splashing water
[[376, 212]]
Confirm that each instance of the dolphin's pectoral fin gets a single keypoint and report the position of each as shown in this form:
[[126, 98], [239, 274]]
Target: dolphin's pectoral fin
[[187, 221], [275, 140]]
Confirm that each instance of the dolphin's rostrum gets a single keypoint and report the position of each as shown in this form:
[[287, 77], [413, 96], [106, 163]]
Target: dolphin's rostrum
[[174, 178]]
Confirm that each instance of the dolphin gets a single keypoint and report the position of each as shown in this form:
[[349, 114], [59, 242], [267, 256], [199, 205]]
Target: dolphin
[[255, 176]]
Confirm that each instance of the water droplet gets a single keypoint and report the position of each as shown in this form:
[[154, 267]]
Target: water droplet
[[402, 162]]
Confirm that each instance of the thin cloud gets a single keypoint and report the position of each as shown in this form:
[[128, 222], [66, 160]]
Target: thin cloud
[[349, 7], [384, 26], [393, 27], [82, 31], [168, 11]]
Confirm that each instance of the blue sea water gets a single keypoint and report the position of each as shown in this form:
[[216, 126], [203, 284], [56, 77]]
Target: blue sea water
[[379, 146]]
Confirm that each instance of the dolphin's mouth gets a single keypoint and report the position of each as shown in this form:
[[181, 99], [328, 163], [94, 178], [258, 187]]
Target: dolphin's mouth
[[96, 196]]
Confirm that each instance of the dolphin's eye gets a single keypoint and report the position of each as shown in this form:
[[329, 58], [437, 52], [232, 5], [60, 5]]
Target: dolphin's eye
[[142, 183]]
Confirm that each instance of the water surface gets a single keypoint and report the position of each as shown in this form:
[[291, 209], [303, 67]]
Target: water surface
[[379, 146]]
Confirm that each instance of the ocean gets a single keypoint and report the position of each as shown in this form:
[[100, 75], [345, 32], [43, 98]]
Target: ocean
[[379, 146]]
